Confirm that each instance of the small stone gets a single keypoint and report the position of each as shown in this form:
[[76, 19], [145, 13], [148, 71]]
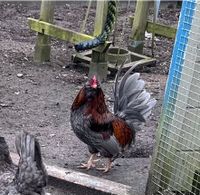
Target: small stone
[[20, 75], [117, 164], [52, 135], [64, 75], [66, 66], [26, 58], [17, 93], [67, 6], [4, 105], [43, 145]]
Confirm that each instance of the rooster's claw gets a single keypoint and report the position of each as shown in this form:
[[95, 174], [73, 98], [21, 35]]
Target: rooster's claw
[[104, 169], [90, 164], [86, 165]]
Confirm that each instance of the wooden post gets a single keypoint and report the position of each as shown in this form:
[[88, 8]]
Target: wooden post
[[139, 26], [98, 65], [42, 47], [100, 18]]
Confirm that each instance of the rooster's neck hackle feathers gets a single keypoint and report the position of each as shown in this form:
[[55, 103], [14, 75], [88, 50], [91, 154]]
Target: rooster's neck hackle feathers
[[98, 102], [98, 110], [79, 100]]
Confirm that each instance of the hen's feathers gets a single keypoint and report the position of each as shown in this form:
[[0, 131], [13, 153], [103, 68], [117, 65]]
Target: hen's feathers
[[4, 152], [7, 168], [31, 175], [79, 100], [131, 101]]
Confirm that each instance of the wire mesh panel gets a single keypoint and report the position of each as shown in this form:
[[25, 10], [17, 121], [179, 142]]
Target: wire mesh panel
[[176, 163]]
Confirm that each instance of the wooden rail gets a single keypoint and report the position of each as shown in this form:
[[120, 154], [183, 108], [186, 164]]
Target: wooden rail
[[160, 29], [61, 33]]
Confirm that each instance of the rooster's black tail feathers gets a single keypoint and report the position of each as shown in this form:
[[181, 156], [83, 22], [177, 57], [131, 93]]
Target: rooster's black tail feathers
[[132, 102]]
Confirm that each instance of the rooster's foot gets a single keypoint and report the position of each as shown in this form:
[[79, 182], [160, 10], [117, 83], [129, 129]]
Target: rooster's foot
[[87, 165], [90, 164], [106, 168]]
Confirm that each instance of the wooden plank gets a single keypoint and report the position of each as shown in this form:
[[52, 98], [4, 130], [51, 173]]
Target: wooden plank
[[100, 18], [42, 47], [139, 27], [99, 65], [79, 57], [85, 180], [142, 60], [160, 29], [59, 32]]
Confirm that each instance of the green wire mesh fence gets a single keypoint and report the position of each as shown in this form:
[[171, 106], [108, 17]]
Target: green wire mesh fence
[[176, 162]]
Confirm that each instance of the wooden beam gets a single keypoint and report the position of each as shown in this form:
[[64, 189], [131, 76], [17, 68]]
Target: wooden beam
[[60, 32], [42, 47], [139, 27], [160, 29], [57, 32], [100, 18], [142, 60], [99, 65], [83, 180], [81, 57]]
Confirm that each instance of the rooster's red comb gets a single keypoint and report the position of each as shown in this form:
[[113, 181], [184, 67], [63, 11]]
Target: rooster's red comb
[[93, 82]]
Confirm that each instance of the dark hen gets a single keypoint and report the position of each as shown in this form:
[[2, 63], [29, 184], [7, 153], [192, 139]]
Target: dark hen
[[105, 132], [29, 177]]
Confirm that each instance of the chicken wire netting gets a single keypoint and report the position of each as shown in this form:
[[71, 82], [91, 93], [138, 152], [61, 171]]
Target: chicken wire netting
[[176, 162]]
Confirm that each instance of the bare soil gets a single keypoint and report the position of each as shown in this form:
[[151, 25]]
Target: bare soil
[[39, 100]]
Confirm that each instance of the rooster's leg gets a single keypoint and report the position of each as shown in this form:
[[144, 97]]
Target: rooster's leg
[[107, 167], [90, 163]]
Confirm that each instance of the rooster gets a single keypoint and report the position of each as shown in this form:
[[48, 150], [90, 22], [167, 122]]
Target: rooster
[[29, 177], [107, 133]]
